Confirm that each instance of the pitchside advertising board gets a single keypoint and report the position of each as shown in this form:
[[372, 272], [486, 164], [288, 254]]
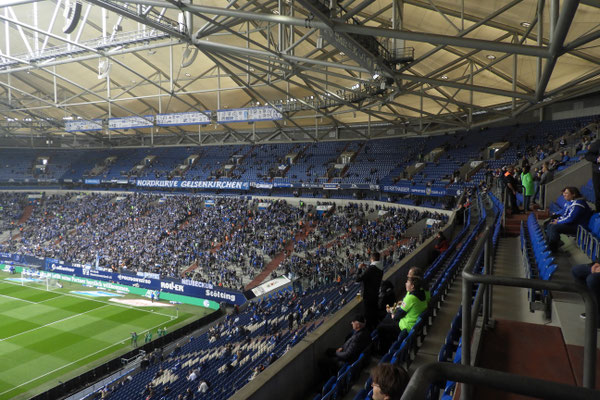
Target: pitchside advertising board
[[120, 288], [187, 288], [11, 258]]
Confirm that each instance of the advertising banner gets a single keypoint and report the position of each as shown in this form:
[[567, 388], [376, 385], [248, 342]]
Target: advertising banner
[[261, 185], [83, 125], [204, 290], [11, 258], [421, 190], [232, 185], [185, 118], [271, 285], [282, 184], [331, 186], [186, 287]]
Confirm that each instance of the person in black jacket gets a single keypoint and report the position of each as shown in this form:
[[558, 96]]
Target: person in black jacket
[[387, 297], [370, 276], [593, 156], [511, 188], [355, 344]]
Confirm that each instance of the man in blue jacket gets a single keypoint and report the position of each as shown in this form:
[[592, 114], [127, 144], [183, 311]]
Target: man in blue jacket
[[574, 213]]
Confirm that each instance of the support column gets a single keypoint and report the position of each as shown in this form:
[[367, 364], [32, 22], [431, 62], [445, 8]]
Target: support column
[[397, 22], [540, 38], [554, 7], [471, 66], [421, 111], [280, 34], [514, 73], [189, 21]]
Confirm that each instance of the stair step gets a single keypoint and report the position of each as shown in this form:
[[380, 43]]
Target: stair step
[[527, 349]]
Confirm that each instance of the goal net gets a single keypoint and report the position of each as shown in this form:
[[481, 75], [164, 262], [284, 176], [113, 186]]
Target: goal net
[[34, 278]]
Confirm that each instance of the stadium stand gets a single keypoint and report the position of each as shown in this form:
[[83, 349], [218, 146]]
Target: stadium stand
[[320, 249]]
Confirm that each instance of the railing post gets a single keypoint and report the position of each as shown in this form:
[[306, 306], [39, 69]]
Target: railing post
[[590, 340], [490, 270], [467, 294], [504, 196], [485, 287]]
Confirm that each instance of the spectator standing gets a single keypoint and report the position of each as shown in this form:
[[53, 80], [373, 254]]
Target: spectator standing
[[511, 189], [528, 190], [370, 277]]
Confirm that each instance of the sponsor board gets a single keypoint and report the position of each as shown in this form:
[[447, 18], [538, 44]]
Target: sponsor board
[[229, 185], [140, 303]]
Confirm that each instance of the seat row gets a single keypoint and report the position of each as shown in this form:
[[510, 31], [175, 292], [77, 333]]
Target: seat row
[[537, 261], [588, 237]]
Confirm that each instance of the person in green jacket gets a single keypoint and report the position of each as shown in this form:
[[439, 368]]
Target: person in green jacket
[[413, 304], [528, 187]]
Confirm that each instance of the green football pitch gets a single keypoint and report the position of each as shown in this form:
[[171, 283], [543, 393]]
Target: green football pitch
[[47, 336]]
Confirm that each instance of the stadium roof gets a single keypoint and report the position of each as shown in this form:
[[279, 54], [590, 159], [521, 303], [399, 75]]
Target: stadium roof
[[353, 68]]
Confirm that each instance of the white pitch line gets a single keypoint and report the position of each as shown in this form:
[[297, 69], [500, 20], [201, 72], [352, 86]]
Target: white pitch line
[[52, 323], [51, 298], [16, 298], [74, 362]]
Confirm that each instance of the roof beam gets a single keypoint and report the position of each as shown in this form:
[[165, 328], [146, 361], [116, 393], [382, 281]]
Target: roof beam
[[535, 51], [556, 45], [475, 88]]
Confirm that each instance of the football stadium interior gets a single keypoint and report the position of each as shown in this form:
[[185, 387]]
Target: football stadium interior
[[299, 199]]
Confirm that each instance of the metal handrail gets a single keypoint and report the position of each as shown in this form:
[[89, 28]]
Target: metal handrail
[[471, 310], [538, 388]]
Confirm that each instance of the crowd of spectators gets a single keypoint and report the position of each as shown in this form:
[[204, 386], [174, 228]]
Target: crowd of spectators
[[163, 235], [337, 244], [228, 243], [12, 205]]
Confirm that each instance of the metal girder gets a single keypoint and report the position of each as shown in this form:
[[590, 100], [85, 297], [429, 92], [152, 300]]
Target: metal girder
[[498, 25], [475, 88], [535, 51], [357, 9], [556, 45], [104, 54], [324, 114], [559, 90], [171, 29], [281, 35], [580, 41], [469, 29]]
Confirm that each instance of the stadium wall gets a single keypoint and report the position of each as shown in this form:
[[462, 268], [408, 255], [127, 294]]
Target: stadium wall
[[576, 175]]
